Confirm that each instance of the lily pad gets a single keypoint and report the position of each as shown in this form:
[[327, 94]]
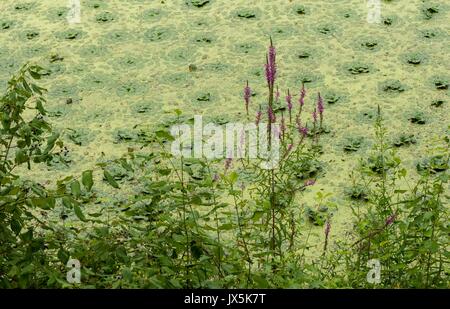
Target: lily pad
[[105, 17], [353, 144], [404, 140], [418, 118], [157, 34], [392, 86], [434, 164]]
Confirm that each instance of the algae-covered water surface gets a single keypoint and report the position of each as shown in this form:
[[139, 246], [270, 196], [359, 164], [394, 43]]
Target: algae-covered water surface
[[366, 181]]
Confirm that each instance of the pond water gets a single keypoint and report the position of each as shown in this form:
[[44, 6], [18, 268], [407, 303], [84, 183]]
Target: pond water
[[128, 64]]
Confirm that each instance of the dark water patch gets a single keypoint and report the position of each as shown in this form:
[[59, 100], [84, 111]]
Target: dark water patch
[[437, 103], [197, 3], [7, 25]]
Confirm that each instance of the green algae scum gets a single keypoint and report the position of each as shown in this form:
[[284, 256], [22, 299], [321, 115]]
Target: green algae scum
[[93, 195]]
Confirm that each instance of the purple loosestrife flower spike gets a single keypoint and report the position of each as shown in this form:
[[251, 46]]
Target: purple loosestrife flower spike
[[271, 115], [320, 108], [301, 101], [304, 131], [283, 125], [247, 95], [289, 105], [390, 219], [314, 115], [327, 229], [258, 116], [228, 163], [215, 177], [271, 67]]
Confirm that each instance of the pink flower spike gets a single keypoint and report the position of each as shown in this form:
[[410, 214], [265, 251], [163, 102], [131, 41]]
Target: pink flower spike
[[327, 229], [289, 101], [247, 95], [258, 116], [302, 96], [390, 219], [320, 107]]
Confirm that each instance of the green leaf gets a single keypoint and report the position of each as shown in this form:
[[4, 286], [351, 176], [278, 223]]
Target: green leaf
[[110, 179], [164, 135], [78, 212], [35, 75], [21, 156], [15, 226], [226, 227], [75, 188], [87, 180], [233, 177]]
